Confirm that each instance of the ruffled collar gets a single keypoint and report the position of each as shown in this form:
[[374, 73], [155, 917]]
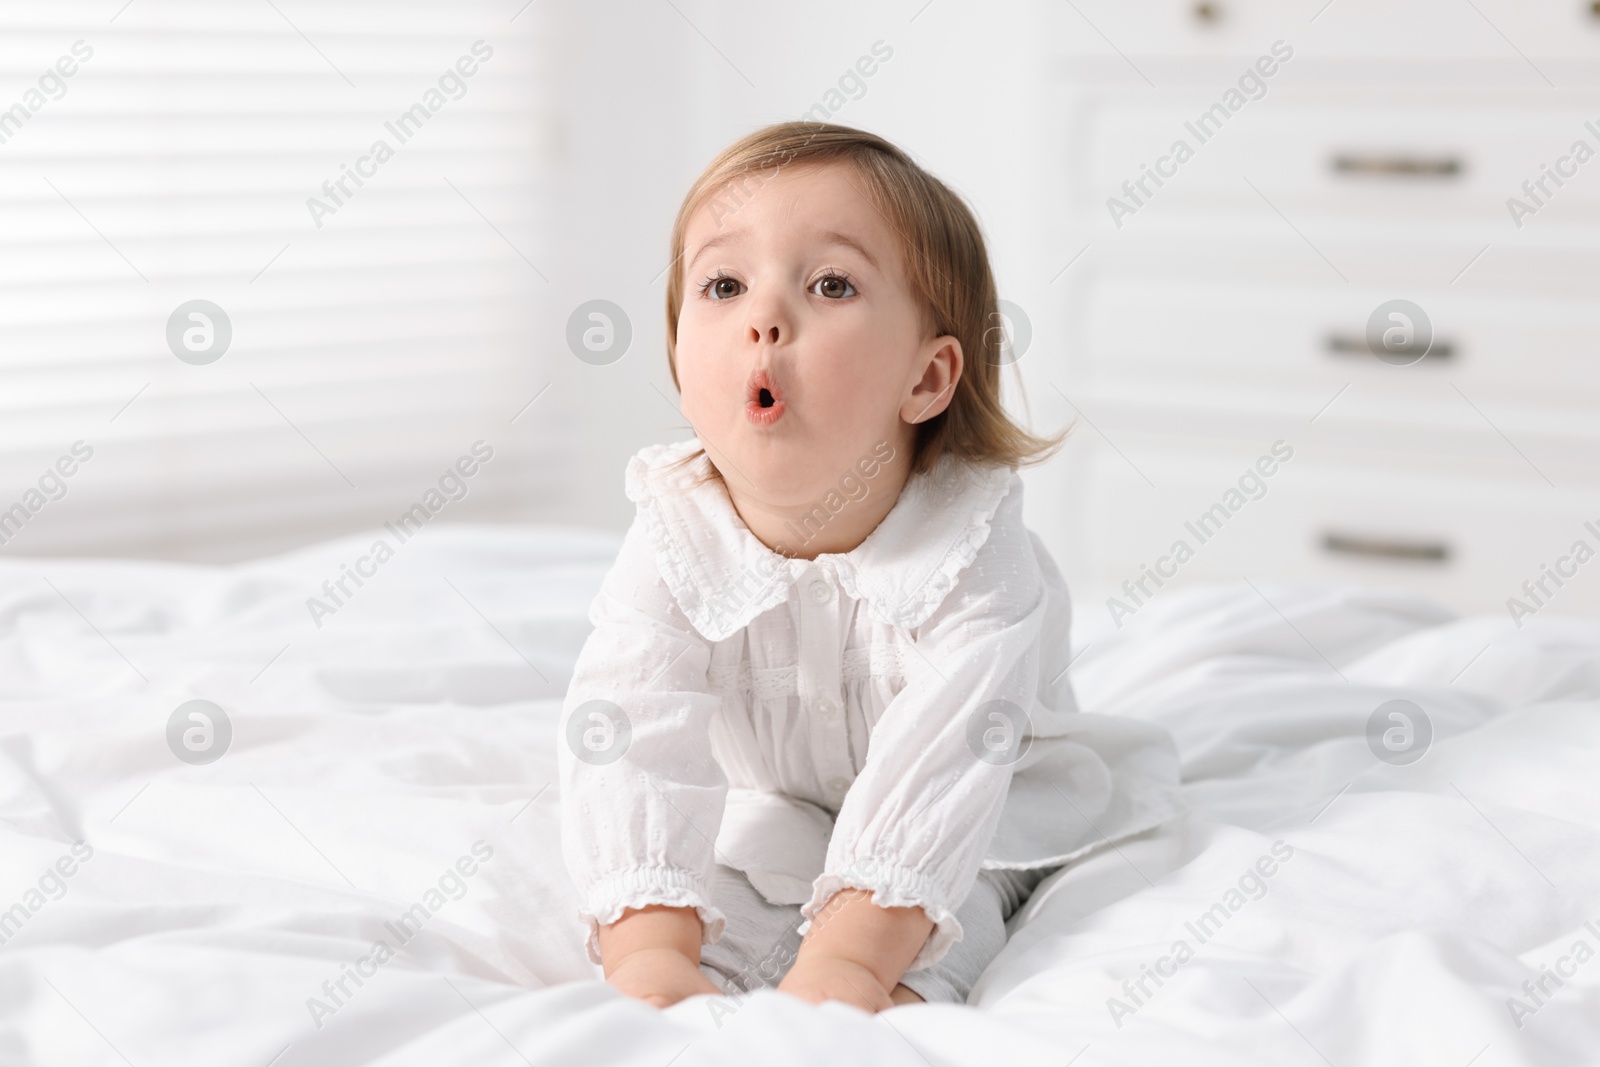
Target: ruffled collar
[[722, 576]]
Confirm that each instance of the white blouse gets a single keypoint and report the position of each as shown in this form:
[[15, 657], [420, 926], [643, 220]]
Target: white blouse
[[892, 718]]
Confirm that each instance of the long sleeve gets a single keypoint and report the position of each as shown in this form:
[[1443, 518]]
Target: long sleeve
[[916, 823], [641, 796]]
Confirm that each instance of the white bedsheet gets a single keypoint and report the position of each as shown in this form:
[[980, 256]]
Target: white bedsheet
[[370, 754]]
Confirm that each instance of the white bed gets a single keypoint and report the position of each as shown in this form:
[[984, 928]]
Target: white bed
[[368, 755]]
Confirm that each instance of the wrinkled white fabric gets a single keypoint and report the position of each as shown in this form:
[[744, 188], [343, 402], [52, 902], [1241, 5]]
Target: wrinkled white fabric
[[837, 722]]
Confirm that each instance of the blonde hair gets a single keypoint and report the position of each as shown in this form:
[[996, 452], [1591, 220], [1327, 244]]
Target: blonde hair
[[946, 264]]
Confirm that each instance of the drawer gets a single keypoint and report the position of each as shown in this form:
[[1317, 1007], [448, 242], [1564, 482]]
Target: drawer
[[1242, 333], [1415, 30], [1467, 541], [1385, 155]]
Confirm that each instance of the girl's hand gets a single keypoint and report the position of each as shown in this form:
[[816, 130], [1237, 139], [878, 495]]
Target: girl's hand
[[819, 977], [660, 976]]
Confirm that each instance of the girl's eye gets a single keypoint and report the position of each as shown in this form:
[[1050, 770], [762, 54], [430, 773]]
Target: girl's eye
[[833, 286], [721, 287]]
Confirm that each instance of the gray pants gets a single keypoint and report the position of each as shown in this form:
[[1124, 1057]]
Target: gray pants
[[760, 941]]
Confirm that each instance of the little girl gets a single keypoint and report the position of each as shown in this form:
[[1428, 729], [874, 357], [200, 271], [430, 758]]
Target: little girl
[[821, 736]]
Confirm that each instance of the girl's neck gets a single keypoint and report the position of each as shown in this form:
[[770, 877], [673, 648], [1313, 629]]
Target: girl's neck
[[812, 528]]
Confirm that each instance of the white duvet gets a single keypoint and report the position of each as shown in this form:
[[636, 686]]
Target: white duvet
[[369, 873]]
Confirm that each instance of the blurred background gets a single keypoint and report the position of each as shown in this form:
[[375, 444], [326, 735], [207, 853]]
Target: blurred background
[[1314, 281]]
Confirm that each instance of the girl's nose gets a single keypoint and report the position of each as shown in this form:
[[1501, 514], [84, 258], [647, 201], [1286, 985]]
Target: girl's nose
[[771, 334]]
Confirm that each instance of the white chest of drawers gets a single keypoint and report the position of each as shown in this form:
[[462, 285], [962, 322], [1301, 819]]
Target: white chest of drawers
[[1218, 300]]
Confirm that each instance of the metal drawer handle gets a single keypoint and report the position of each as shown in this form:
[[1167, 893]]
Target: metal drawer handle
[[1350, 344], [1363, 166], [1386, 548]]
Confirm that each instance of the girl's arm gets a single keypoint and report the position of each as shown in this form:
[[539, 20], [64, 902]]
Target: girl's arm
[[856, 951], [653, 953], [915, 825], [652, 927], [642, 796]]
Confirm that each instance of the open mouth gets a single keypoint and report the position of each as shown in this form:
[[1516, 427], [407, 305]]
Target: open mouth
[[763, 399]]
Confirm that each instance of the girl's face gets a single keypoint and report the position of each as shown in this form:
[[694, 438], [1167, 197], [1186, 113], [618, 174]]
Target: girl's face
[[795, 284]]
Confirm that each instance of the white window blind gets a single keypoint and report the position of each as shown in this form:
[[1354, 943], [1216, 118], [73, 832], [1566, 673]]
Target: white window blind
[[377, 332]]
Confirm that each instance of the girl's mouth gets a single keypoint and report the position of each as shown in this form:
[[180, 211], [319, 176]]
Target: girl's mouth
[[763, 401]]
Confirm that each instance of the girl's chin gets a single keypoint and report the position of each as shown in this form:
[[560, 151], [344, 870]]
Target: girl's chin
[[773, 475]]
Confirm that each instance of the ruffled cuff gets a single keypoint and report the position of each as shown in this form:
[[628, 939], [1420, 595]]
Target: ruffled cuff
[[892, 887], [608, 898]]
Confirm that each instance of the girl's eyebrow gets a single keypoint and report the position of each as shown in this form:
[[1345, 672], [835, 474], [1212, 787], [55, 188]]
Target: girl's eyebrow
[[722, 238], [837, 238], [832, 237]]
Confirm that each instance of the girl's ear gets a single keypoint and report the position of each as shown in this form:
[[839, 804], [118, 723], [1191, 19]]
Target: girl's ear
[[937, 387]]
